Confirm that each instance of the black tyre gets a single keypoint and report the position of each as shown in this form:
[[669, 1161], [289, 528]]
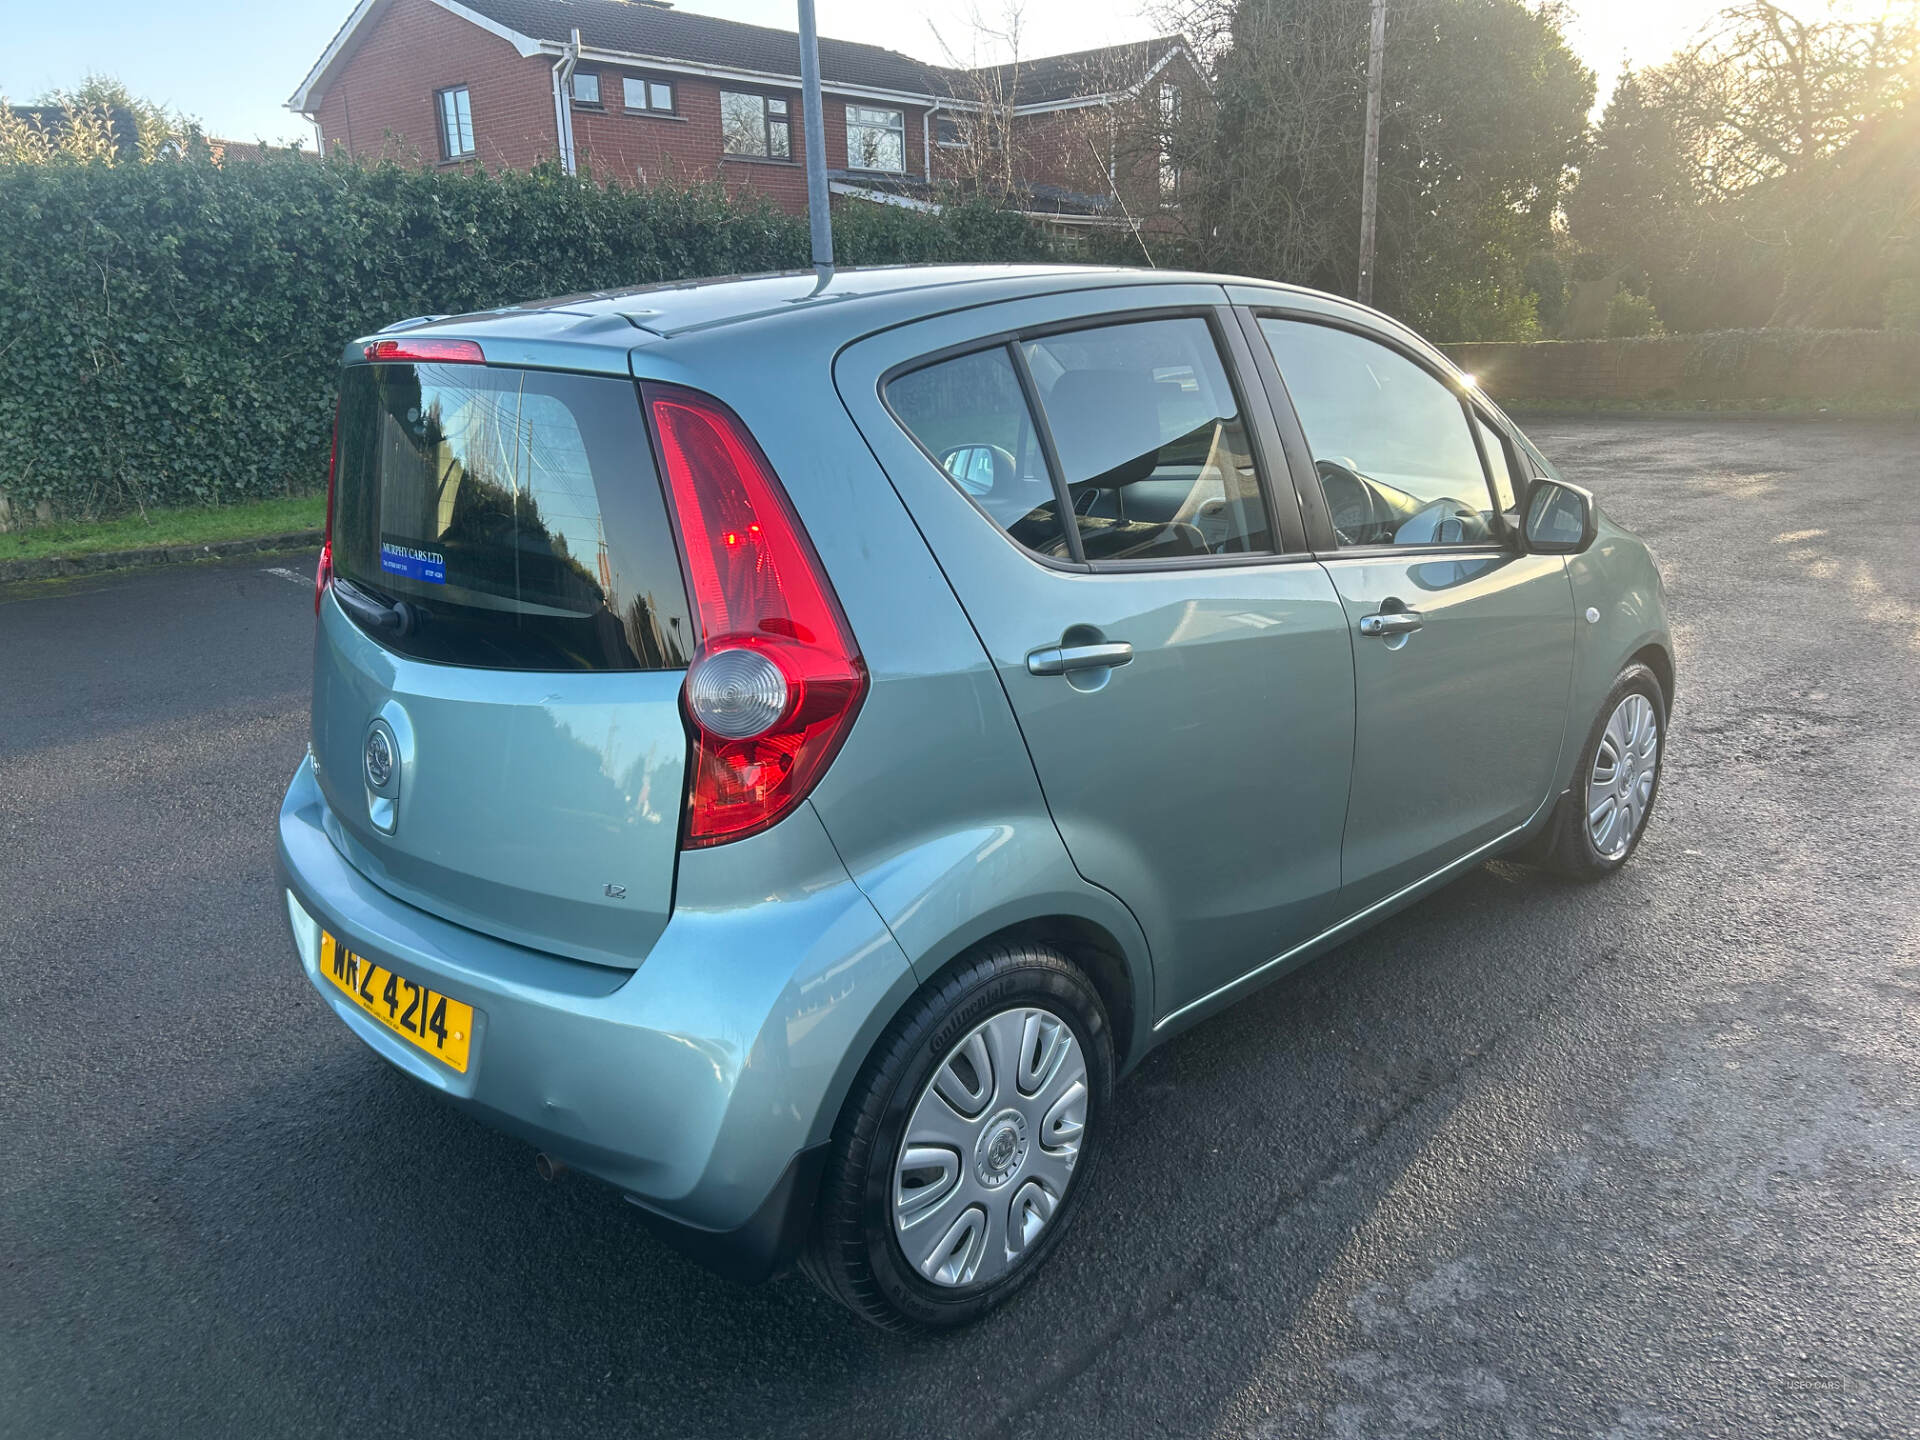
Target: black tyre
[[964, 1150], [1616, 781]]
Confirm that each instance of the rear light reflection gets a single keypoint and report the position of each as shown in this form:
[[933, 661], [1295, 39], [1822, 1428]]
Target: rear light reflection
[[323, 572]]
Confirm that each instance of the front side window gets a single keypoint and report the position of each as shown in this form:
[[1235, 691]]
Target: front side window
[[876, 139], [637, 93], [1154, 459], [1390, 440], [586, 87], [456, 123], [756, 125]]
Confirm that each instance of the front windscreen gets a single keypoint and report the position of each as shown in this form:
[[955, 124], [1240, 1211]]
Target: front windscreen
[[503, 518]]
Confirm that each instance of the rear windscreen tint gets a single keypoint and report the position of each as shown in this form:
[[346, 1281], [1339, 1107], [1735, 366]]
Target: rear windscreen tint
[[514, 514]]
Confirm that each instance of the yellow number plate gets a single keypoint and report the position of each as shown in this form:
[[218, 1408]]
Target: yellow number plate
[[436, 1024]]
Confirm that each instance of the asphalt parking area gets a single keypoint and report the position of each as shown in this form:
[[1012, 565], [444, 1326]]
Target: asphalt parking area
[[1530, 1159]]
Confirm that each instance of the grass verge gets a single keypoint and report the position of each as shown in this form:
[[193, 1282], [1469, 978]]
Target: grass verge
[[189, 525]]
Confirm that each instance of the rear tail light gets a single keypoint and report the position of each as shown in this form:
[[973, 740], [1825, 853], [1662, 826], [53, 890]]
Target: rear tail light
[[323, 572], [777, 680]]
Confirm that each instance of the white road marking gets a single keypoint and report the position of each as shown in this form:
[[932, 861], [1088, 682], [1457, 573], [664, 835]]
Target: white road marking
[[285, 574]]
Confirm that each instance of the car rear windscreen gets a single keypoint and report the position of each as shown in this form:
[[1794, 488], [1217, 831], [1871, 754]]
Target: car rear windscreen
[[509, 519]]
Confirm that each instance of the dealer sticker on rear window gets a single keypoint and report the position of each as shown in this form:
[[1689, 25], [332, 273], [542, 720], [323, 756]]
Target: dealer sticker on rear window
[[427, 565]]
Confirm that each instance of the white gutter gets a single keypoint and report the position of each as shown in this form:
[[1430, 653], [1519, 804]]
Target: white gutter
[[634, 61], [883, 197], [563, 101]]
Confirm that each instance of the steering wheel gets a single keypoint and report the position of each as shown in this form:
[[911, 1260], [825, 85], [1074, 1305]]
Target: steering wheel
[[1350, 502]]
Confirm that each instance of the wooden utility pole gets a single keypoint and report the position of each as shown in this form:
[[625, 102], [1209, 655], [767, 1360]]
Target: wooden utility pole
[[1370, 181]]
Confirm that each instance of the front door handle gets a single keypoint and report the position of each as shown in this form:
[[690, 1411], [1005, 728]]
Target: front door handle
[[1391, 622], [1065, 659]]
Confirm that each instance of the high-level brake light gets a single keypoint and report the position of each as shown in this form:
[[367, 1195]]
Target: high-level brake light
[[426, 350]]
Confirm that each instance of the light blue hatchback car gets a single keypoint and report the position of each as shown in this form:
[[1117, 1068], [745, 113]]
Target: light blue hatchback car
[[786, 749]]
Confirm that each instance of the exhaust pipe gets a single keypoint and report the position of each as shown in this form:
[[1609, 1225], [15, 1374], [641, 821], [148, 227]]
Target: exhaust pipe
[[549, 1168]]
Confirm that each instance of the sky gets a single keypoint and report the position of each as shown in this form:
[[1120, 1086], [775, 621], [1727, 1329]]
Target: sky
[[231, 64]]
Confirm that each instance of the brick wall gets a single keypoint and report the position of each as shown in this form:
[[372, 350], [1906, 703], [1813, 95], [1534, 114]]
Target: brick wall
[[381, 102], [1728, 366], [642, 148]]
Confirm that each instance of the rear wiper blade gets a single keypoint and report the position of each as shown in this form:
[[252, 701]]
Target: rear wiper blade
[[395, 617]]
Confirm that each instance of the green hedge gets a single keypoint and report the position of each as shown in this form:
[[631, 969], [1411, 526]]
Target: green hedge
[[169, 331]]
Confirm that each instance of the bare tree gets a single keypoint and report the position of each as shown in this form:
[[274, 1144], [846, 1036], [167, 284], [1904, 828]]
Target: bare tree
[[982, 155], [1765, 94]]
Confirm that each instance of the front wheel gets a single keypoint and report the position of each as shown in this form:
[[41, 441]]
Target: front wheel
[[964, 1149], [1604, 814]]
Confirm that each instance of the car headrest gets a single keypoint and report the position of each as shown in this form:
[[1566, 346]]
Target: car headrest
[[1106, 424]]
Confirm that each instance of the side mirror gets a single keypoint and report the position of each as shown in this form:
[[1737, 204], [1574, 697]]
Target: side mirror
[[1560, 518]]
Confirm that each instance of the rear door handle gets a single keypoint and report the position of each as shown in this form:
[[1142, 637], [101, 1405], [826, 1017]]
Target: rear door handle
[[1391, 622], [1065, 659]]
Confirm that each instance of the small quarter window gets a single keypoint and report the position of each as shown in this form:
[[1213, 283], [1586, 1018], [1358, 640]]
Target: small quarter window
[[1500, 464], [970, 414], [455, 109], [637, 93]]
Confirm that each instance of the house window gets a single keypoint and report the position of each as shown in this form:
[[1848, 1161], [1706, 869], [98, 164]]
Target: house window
[[586, 87], [876, 139], [456, 122], [954, 130], [755, 125], [1169, 123], [640, 94]]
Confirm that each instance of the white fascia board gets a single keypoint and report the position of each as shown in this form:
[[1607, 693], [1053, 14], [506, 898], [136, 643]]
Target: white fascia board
[[367, 13], [1083, 102], [668, 65], [882, 197], [525, 44], [302, 99]]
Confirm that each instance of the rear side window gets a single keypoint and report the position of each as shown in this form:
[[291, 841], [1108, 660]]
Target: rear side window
[[1151, 441], [1153, 457], [512, 517]]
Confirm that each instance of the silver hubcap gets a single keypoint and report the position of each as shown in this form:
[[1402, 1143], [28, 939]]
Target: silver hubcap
[[1623, 771], [990, 1148]]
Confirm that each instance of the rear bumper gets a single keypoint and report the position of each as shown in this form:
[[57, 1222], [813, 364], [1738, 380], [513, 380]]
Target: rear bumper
[[703, 1083]]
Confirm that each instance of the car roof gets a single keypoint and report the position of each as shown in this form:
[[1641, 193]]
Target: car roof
[[567, 331]]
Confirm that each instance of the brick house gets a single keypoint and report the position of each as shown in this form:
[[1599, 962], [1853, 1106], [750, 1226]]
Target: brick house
[[638, 92]]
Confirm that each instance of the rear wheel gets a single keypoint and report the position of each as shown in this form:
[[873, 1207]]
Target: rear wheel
[[963, 1152], [1602, 817]]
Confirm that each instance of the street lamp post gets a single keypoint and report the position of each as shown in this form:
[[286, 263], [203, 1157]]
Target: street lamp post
[[819, 217]]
